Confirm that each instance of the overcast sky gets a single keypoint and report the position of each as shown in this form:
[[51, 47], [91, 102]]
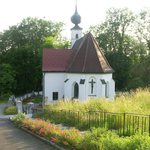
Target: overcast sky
[[91, 11]]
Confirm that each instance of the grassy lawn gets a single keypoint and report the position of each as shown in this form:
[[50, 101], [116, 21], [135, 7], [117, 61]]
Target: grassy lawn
[[134, 102], [3, 101]]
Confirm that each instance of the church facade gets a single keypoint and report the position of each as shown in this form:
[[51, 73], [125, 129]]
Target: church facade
[[81, 72]]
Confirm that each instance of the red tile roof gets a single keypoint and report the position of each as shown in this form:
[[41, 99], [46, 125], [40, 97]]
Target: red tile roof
[[55, 60], [85, 57]]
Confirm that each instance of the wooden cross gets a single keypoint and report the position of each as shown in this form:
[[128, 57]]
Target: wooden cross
[[92, 85]]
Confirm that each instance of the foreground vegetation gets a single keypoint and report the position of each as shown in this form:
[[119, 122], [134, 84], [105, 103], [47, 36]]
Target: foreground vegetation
[[96, 139], [99, 138], [126, 115]]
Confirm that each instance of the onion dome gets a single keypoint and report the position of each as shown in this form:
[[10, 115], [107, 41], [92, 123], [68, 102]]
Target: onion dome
[[76, 18]]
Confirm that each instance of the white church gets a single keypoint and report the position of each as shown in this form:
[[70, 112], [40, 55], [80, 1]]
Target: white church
[[81, 72]]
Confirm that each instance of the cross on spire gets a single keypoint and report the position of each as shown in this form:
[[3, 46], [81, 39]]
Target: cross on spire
[[92, 85]]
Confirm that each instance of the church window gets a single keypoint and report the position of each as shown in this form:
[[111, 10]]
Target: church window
[[103, 81], [55, 95], [77, 36], [82, 81], [76, 90], [66, 80], [106, 89]]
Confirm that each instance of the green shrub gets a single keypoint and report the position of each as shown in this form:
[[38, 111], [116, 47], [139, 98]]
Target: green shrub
[[94, 139], [37, 100], [18, 119], [12, 110], [101, 139]]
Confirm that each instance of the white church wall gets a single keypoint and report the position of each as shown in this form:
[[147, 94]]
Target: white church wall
[[111, 89], [69, 93], [99, 90], [54, 82]]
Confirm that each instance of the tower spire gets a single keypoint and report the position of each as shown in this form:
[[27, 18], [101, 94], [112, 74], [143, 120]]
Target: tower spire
[[76, 6], [76, 18], [76, 31]]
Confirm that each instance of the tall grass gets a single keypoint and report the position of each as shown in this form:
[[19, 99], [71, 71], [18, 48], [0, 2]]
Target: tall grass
[[133, 102]]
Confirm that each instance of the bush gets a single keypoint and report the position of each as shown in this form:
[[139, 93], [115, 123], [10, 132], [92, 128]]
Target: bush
[[96, 139], [69, 138], [37, 100], [12, 110], [18, 119], [101, 139]]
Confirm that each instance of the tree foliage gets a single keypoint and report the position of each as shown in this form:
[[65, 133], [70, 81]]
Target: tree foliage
[[7, 78], [21, 47], [143, 27], [116, 35]]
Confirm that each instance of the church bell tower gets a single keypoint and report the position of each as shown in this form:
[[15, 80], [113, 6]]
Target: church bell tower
[[76, 31]]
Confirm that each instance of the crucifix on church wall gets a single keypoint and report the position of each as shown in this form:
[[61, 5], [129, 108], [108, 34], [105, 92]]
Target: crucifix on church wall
[[92, 82]]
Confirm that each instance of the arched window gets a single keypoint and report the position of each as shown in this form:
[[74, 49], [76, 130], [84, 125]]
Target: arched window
[[77, 36], [75, 90], [107, 89]]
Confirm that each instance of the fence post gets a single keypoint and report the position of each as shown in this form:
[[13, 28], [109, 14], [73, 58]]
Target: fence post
[[124, 123], [19, 106], [78, 117], [104, 119], [68, 117], [89, 119], [149, 124]]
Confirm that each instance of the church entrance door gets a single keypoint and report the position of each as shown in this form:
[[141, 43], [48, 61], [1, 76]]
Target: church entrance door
[[76, 90]]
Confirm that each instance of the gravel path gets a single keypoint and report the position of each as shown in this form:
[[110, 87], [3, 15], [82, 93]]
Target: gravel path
[[2, 106], [12, 138]]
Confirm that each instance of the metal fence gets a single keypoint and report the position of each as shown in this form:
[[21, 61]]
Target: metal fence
[[122, 123]]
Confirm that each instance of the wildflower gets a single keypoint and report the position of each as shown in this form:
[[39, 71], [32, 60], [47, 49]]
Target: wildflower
[[53, 139], [42, 132], [65, 142]]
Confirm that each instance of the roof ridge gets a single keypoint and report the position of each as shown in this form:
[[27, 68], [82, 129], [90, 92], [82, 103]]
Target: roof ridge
[[72, 61], [86, 53], [100, 50], [88, 57]]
